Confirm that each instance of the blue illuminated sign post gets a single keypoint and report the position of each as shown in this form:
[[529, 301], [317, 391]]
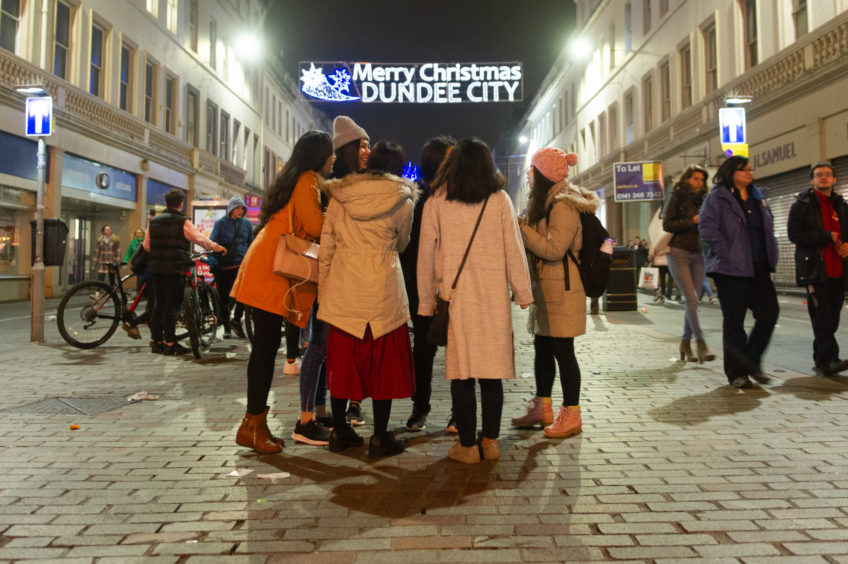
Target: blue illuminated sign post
[[733, 131], [39, 123]]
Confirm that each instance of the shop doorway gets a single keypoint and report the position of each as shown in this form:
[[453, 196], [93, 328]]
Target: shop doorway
[[79, 241]]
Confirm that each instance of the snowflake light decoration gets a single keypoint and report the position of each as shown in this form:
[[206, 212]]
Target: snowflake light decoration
[[317, 85]]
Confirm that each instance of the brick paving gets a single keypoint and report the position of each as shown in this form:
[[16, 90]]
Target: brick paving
[[672, 465]]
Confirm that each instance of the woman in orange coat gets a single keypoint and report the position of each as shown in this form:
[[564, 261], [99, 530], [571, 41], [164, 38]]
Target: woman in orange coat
[[273, 298]]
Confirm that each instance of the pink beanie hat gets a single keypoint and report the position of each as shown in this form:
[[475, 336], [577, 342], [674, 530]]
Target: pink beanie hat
[[553, 163]]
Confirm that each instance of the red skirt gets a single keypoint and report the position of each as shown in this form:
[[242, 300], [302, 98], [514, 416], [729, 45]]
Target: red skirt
[[379, 369]]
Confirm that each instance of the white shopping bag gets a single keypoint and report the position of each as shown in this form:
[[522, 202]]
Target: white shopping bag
[[649, 277]]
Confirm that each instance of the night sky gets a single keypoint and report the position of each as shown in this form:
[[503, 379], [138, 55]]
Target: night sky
[[421, 31]]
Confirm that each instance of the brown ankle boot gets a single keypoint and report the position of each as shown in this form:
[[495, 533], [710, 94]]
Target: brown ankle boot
[[686, 354], [254, 433], [704, 354]]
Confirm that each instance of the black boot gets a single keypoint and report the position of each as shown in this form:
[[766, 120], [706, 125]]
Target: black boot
[[385, 445]]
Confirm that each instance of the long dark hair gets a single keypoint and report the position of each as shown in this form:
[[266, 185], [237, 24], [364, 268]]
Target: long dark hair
[[310, 153], [347, 159], [469, 174], [536, 208], [724, 174], [386, 157], [432, 154], [688, 172]]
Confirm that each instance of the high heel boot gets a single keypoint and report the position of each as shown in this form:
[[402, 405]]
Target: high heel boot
[[254, 433], [686, 354], [704, 354]]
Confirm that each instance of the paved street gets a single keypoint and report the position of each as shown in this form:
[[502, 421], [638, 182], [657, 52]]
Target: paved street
[[672, 464]]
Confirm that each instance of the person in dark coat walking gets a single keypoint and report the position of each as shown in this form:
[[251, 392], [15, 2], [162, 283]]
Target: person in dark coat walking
[[235, 232], [818, 226]]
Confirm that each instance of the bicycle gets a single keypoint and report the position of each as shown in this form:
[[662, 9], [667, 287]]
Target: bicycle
[[89, 313], [201, 309]]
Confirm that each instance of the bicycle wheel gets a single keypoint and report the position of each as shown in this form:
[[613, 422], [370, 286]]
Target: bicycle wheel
[[209, 307], [88, 314], [248, 323], [190, 317]]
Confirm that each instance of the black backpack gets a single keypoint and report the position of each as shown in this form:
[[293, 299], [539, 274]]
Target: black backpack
[[593, 264]]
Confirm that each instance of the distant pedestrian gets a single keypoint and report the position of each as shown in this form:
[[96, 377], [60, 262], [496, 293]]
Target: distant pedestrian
[[291, 204], [680, 217], [738, 228], [818, 225], [551, 230], [137, 240], [235, 232], [480, 338], [106, 252], [362, 296], [432, 155]]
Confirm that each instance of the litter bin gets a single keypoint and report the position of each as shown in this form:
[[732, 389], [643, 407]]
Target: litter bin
[[55, 238], [621, 289]]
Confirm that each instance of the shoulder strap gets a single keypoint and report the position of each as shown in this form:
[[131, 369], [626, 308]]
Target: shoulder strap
[[291, 217], [468, 248]]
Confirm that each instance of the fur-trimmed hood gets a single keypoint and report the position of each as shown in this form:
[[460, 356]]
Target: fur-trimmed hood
[[582, 200], [369, 195]]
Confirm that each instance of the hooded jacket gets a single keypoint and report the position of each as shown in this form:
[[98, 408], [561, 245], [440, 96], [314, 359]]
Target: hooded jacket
[[806, 229], [360, 281], [224, 233], [557, 312], [723, 226]]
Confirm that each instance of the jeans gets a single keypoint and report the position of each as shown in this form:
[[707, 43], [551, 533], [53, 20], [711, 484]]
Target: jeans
[[465, 408], [267, 334], [168, 289], [824, 304], [687, 268], [560, 350], [737, 294], [313, 361]]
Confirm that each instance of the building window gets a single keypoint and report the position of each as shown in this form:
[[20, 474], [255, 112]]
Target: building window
[[170, 104], [646, 16], [192, 116], [150, 72], [602, 136], [565, 114], [236, 135], [613, 128], [10, 19], [211, 127], [628, 27], [245, 161], [125, 94], [686, 76], [62, 40], [799, 17], [648, 102], [665, 91], [153, 7], [611, 47], [192, 24], [750, 26], [213, 43], [628, 118], [95, 79], [225, 137], [171, 16], [710, 59], [663, 7]]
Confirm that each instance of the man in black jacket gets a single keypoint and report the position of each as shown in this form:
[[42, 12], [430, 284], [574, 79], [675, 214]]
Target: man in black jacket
[[168, 239], [818, 226]]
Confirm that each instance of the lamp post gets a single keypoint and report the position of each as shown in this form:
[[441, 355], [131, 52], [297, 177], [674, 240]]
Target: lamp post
[[39, 123]]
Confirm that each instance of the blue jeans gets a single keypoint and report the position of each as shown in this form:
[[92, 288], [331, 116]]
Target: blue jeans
[[687, 268], [313, 361]]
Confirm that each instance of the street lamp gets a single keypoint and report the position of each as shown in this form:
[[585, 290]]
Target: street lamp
[[39, 123]]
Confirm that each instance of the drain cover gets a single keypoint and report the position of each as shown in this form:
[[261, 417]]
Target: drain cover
[[69, 406]]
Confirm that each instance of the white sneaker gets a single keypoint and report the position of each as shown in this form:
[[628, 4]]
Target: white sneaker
[[292, 368]]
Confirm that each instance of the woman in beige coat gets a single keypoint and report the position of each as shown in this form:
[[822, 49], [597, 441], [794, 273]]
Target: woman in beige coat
[[362, 297], [480, 339], [551, 229]]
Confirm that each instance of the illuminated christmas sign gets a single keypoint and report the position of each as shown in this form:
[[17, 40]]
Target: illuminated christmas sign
[[419, 83]]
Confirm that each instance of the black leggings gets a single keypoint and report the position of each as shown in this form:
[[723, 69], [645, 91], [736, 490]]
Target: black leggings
[[267, 334], [464, 402], [382, 412], [292, 341], [560, 350]]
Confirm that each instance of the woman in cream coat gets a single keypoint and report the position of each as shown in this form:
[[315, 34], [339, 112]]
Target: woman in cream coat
[[480, 338], [551, 230]]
